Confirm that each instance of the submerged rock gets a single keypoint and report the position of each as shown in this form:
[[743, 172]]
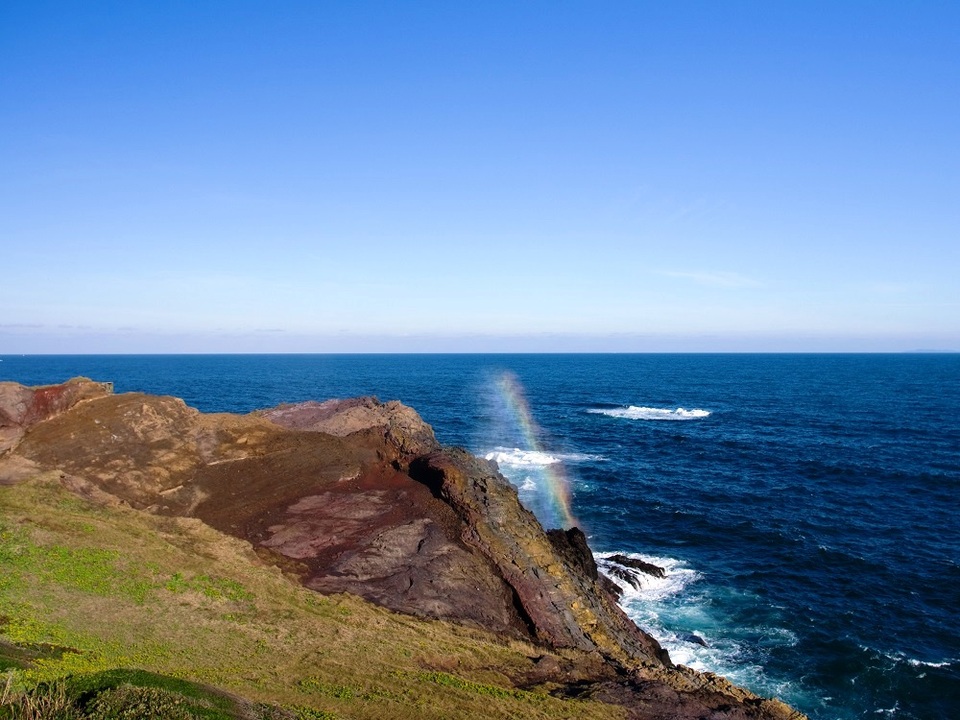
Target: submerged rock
[[637, 564]]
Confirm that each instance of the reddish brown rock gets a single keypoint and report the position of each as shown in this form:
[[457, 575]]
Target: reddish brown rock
[[21, 406], [357, 496], [558, 591], [399, 427]]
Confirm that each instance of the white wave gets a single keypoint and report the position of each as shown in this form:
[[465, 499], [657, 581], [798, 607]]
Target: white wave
[[517, 458], [898, 656], [580, 457], [681, 619], [521, 458], [639, 412], [528, 485], [922, 663], [676, 577]]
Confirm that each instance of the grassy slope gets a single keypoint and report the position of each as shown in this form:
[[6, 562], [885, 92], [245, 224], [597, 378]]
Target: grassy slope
[[85, 589]]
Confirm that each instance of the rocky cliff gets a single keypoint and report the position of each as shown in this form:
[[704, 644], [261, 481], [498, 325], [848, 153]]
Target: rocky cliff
[[358, 496]]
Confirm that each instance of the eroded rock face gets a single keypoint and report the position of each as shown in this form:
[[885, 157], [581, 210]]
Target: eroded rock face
[[399, 426], [21, 407], [557, 589], [386, 538], [357, 496]]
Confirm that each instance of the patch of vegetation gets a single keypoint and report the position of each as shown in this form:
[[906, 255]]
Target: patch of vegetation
[[21, 656], [341, 692], [448, 680], [305, 713], [49, 702], [133, 695], [315, 686], [216, 588], [92, 570], [86, 591], [115, 694], [129, 702]]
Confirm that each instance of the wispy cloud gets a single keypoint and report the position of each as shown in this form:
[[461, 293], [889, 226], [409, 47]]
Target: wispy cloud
[[713, 279]]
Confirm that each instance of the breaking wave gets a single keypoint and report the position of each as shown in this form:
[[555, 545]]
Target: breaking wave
[[902, 657], [645, 587], [528, 485], [681, 616], [639, 412], [517, 458]]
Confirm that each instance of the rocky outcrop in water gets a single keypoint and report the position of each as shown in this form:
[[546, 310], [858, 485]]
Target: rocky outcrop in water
[[358, 496]]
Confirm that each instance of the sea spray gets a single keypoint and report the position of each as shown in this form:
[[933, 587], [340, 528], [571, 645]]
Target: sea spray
[[542, 478]]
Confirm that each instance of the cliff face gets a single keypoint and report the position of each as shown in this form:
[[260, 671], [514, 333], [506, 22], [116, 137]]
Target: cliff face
[[358, 496], [558, 594]]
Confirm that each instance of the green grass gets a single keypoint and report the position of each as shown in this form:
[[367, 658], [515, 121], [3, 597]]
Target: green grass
[[453, 681], [90, 570], [89, 593], [136, 695]]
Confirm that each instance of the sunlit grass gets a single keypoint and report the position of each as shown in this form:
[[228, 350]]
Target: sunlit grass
[[87, 590]]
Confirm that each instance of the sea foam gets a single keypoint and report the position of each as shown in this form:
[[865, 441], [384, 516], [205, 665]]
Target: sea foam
[[647, 587], [639, 412], [517, 458], [682, 619]]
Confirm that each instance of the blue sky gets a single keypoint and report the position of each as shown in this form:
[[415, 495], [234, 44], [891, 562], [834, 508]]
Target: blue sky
[[596, 176]]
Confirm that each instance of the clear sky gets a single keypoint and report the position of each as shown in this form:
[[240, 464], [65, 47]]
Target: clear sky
[[479, 176]]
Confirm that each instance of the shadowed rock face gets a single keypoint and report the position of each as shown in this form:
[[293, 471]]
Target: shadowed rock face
[[556, 588], [357, 496]]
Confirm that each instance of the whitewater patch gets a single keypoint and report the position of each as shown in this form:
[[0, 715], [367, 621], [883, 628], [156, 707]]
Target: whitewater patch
[[640, 412], [528, 485], [645, 587], [679, 613], [924, 663], [902, 657], [517, 458]]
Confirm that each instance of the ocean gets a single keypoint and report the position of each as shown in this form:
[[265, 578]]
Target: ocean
[[806, 508]]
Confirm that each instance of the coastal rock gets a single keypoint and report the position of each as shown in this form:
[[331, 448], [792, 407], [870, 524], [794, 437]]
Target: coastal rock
[[399, 426], [629, 570], [21, 406], [637, 564], [565, 606], [357, 496]]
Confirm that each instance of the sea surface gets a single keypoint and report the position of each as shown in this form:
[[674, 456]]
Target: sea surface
[[806, 507]]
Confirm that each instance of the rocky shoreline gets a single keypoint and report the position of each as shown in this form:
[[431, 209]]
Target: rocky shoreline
[[357, 496]]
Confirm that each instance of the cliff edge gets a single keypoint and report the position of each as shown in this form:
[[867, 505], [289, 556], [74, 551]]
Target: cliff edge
[[357, 496]]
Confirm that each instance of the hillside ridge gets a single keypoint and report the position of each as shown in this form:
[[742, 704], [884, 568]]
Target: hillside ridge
[[357, 496]]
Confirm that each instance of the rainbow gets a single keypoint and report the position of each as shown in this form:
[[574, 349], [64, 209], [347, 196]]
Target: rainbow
[[557, 485]]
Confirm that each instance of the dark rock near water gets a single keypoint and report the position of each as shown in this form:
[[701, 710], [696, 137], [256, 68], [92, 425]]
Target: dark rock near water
[[628, 570], [564, 606], [572, 545], [637, 564], [623, 574]]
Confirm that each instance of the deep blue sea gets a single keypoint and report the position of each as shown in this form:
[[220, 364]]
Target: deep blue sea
[[806, 507]]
